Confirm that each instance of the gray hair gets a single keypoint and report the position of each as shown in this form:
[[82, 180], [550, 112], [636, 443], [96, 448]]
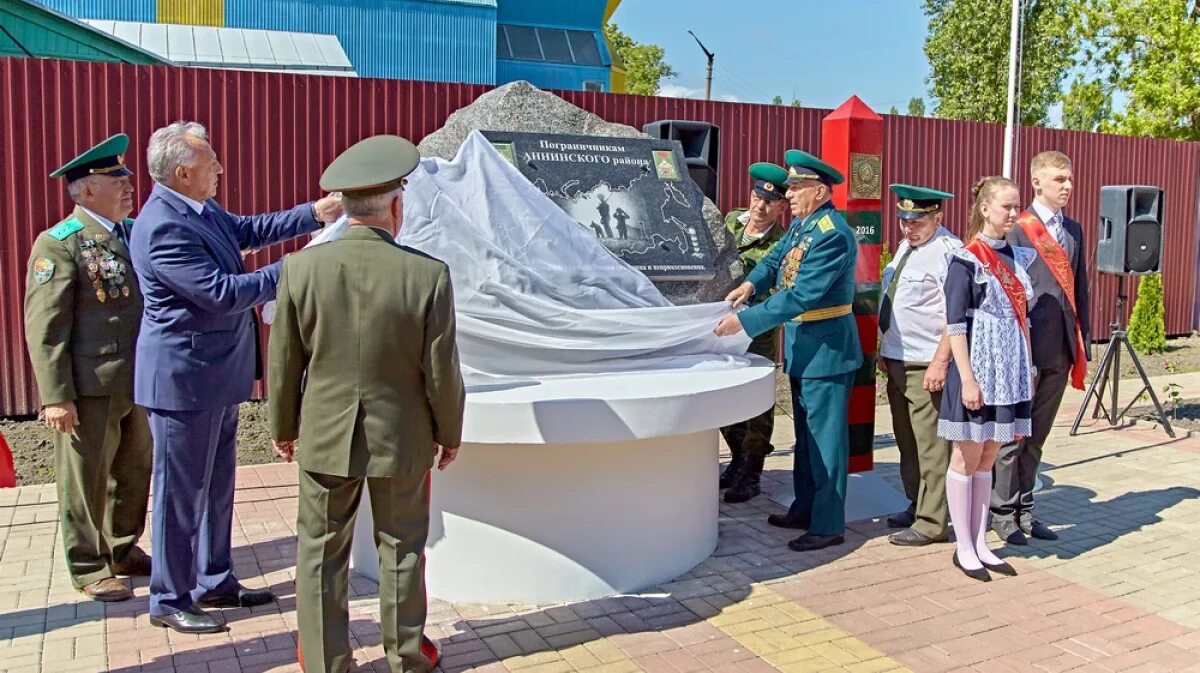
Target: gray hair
[[75, 187], [169, 149], [369, 206]]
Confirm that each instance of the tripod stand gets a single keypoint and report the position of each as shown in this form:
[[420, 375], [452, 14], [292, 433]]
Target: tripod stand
[[1110, 367]]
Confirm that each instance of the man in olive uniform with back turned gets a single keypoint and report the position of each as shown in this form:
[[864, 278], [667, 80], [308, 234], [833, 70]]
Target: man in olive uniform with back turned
[[82, 314], [364, 372], [812, 272], [755, 230]]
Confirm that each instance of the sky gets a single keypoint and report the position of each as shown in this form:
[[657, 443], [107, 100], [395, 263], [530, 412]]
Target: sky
[[869, 48]]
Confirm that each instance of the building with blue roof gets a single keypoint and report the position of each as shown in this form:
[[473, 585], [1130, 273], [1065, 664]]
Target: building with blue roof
[[554, 44]]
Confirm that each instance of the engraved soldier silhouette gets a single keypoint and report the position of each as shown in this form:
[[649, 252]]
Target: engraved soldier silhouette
[[603, 208], [622, 228]]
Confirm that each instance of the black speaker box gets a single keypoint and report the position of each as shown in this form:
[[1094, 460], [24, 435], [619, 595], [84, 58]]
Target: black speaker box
[[1130, 240]]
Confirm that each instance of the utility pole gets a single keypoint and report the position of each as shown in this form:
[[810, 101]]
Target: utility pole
[[709, 55], [1014, 53]]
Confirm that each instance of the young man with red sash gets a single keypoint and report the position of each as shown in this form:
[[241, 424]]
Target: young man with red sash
[[1058, 324]]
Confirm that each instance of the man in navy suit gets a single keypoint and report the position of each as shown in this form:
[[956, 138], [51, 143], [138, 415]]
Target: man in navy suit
[[198, 356]]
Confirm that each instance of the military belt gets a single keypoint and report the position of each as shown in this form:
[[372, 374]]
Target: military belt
[[819, 314]]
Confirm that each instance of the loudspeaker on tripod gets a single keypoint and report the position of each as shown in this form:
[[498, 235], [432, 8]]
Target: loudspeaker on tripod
[[1130, 241], [701, 148]]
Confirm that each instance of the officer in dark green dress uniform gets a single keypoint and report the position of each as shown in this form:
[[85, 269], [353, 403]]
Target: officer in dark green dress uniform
[[82, 315], [755, 230], [812, 272], [364, 373]]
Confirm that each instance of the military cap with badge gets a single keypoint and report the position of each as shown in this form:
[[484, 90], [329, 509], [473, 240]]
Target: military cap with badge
[[770, 180], [916, 202], [107, 273], [804, 166]]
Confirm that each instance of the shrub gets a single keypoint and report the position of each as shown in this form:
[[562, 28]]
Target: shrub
[[1147, 328]]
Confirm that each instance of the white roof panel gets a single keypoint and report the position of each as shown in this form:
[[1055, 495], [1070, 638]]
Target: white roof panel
[[240, 48]]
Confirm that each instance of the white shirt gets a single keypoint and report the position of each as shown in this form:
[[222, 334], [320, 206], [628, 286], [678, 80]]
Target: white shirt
[[1046, 215], [102, 220], [193, 203], [919, 305]]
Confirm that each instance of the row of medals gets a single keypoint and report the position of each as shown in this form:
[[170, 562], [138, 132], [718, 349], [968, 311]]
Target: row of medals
[[104, 269]]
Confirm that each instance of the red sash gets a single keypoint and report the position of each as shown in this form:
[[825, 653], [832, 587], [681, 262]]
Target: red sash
[[1060, 265], [1008, 280]]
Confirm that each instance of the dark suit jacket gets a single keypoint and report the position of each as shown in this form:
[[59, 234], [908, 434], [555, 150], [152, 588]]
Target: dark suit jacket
[[1051, 320], [197, 348], [364, 367]]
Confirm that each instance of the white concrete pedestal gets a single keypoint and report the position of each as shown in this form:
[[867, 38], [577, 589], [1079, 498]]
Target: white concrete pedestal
[[587, 487]]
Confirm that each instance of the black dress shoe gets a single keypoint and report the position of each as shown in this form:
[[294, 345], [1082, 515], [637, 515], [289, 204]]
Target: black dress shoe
[[785, 521], [901, 520], [911, 537], [1038, 530], [980, 574], [1010, 533], [191, 621], [241, 598], [1001, 568], [810, 542]]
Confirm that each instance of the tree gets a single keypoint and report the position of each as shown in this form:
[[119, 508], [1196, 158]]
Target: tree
[[645, 64], [796, 102], [1148, 53], [894, 110], [1147, 327], [968, 44], [778, 100], [916, 107], [1086, 105]]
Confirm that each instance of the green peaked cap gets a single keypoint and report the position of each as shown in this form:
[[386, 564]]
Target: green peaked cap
[[804, 166], [374, 165], [104, 158], [770, 180], [915, 202]]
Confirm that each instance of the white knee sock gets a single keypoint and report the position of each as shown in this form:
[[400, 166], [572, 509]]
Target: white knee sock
[[958, 497], [981, 497]]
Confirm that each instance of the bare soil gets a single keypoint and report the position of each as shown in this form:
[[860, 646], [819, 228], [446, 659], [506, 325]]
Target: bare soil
[[33, 450]]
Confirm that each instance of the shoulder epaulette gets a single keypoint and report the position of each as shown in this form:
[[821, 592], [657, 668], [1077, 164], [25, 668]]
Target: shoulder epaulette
[[825, 224], [65, 229]]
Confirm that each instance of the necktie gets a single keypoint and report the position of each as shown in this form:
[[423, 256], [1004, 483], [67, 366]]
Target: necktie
[[885, 308], [1058, 230], [122, 232]]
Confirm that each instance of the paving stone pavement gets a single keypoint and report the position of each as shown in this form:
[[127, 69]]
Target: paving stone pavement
[[1119, 591]]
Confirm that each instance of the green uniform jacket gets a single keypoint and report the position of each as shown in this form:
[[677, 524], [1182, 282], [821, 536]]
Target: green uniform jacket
[[751, 250], [363, 364], [81, 345], [812, 267]]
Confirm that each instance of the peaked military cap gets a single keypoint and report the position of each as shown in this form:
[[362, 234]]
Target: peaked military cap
[[770, 180], [374, 165], [804, 166], [915, 202], [105, 158]]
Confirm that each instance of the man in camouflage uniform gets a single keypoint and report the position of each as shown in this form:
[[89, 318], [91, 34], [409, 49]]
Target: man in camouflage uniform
[[82, 314], [755, 230]]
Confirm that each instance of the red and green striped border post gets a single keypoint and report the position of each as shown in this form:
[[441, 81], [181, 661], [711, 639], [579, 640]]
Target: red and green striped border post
[[852, 142]]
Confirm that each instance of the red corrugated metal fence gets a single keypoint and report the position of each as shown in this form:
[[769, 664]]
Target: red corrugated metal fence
[[275, 133]]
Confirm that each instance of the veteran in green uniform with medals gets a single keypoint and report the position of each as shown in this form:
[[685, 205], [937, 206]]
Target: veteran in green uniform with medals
[[82, 315], [755, 230], [812, 272], [364, 373]]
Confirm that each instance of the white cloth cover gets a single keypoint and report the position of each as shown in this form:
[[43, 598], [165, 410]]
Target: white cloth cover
[[536, 294]]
